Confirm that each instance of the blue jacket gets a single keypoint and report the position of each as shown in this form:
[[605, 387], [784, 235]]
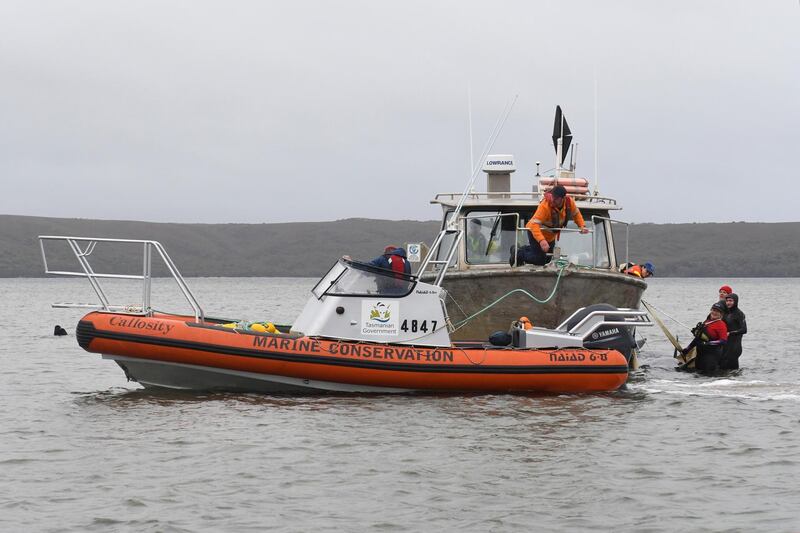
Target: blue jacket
[[386, 260]]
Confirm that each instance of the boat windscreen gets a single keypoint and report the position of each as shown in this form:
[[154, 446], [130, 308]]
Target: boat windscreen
[[329, 279], [361, 279]]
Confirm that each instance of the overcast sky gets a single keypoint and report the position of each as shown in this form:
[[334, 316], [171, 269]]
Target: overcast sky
[[282, 111]]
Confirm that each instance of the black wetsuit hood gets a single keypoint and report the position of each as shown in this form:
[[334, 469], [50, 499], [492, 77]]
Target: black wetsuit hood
[[737, 326], [734, 318]]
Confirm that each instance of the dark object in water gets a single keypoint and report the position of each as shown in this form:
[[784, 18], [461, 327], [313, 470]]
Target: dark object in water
[[59, 331]]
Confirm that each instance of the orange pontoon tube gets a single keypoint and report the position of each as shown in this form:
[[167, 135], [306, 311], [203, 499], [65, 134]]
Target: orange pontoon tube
[[176, 352]]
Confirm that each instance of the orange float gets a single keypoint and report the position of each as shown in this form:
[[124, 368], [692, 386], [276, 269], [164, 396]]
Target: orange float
[[572, 185]]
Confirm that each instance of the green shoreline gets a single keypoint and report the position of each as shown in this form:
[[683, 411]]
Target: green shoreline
[[307, 249]]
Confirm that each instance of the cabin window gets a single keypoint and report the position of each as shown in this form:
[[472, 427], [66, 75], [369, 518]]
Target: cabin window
[[579, 249], [575, 246], [601, 257], [489, 235]]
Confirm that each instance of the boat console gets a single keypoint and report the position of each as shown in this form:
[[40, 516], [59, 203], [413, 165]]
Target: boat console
[[362, 302]]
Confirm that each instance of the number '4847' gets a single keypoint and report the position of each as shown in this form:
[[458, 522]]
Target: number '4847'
[[415, 325]]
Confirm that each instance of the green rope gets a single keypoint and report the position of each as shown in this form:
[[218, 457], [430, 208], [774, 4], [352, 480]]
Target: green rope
[[562, 264]]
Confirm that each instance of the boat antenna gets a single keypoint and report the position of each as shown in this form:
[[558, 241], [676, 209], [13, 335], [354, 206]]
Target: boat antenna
[[596, 136], [469, 114], [498, 127], [452, 225]]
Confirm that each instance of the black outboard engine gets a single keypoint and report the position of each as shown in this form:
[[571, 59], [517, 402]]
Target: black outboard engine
[[617, 338]]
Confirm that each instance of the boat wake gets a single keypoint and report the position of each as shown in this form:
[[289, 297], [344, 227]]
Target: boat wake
[[724, 387]]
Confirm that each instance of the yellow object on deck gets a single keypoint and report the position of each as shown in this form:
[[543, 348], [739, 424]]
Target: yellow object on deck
[[262, 327]]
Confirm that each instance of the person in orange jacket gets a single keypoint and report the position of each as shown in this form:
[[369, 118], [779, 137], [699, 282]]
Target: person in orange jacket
[[643, 271], [544, 227]]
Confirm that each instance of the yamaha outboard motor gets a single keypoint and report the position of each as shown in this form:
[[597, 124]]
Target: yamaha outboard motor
[[617, 338]]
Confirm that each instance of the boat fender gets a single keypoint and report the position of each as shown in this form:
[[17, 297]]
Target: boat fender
[[500, 338], [264, 327]]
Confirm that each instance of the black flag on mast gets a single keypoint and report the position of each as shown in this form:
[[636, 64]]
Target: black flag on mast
[[561, 129]]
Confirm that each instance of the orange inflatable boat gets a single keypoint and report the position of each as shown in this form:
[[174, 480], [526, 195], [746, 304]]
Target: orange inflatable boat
[[177, 352], [363, 329]]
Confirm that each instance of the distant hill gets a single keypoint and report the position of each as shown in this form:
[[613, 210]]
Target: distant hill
[[734, 249], [308, 248]]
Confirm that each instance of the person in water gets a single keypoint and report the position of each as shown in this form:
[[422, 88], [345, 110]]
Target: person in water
[[643, 271], [544, 227], [724, 291], [737, 326], [709, 339]]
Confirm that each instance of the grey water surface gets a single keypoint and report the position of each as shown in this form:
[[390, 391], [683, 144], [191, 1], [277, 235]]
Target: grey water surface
[[81, 449]]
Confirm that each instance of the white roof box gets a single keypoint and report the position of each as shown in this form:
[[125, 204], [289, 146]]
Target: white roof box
[[499, 164]]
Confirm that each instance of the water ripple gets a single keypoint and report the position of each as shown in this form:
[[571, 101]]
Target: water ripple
[[82, 449]]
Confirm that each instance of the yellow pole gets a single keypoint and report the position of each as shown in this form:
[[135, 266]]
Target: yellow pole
[[685, 360]]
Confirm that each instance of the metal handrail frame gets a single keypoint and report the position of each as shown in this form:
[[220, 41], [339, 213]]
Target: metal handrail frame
[[82, 255], [518, 195], [637, 318]]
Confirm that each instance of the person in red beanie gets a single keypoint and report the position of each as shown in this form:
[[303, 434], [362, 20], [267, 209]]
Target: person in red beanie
[[393, 258], [724, 291]]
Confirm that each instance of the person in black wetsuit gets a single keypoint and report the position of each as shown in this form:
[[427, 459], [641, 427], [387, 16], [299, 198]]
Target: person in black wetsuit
[[709, 338], [737, 326]]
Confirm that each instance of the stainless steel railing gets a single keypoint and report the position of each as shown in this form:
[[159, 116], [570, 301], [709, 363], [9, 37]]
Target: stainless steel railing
[[448, 197], [83, 247], [601, 318]]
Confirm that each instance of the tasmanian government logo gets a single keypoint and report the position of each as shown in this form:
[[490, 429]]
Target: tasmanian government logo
[[379, 318], [380, 313]]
